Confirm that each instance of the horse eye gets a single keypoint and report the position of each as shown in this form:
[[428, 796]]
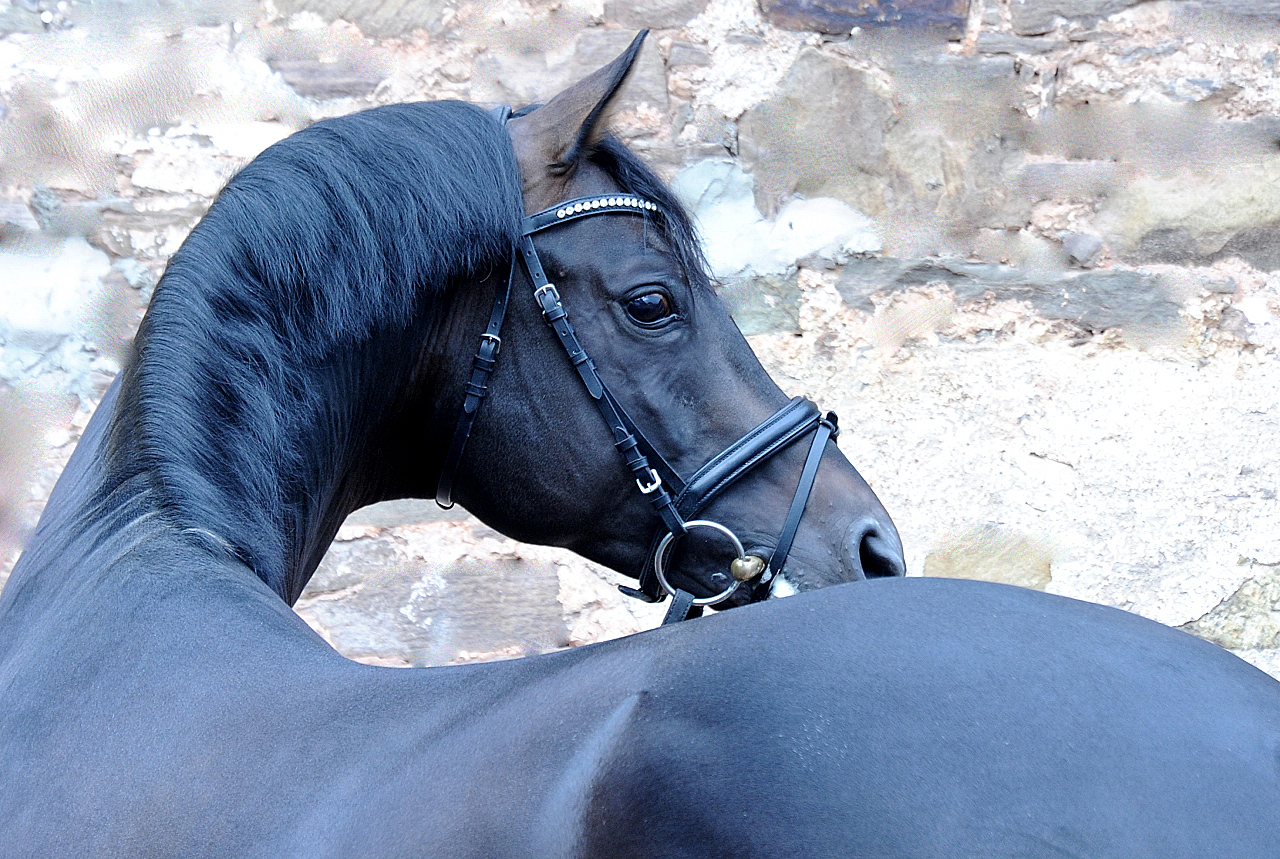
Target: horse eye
[[649, 308]]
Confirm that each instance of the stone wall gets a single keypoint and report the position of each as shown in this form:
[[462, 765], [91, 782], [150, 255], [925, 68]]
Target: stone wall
[[1026, 248]]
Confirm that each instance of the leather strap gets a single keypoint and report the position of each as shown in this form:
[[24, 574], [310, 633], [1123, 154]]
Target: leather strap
[[581, 207], [785, 426], [482, 365], [648, 481], [682, 608], [775, 434], [828, 428]]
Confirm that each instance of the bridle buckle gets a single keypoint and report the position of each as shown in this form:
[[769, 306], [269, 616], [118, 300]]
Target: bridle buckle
[[653, 486], [547, 288], [494, 339]]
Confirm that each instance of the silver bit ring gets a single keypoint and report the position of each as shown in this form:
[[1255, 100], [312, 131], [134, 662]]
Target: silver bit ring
[[659, 559]]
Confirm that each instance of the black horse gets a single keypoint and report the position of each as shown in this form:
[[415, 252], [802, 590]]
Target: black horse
[[307, 352]]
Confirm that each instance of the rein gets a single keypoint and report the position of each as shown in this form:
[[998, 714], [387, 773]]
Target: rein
[[676, 501]]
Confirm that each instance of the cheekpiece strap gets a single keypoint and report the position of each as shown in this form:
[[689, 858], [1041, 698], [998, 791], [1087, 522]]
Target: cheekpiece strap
[[482, 366]]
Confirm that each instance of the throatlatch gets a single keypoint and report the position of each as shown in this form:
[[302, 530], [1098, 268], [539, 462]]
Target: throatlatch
[[676, 501]]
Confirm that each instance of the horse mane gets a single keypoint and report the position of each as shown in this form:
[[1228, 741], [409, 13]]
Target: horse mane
[[313, 276]]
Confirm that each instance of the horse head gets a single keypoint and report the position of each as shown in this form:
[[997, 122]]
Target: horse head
[[676, 375]]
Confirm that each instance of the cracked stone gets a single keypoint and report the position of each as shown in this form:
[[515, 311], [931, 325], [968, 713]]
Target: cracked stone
[[1249, 619]]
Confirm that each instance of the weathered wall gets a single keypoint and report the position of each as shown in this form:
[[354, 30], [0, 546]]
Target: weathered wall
[[1024, 247]]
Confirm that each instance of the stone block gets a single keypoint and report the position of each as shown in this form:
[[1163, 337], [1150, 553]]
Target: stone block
[[398, 607], [838, 17], [822, 135], [764, 304], [378, 18], [1249, 619], [1034, 17], [993, 554], [15, 216], [1198, 214], [1082, 248], [687, 54], [1005, 43], [324, 80], [1094, 300], [16, 19], [653, 14], [1259, 246]]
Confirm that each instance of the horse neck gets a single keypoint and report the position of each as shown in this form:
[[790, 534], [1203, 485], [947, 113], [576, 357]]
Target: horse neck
[[87, 518], [119, 491], [266, 480]]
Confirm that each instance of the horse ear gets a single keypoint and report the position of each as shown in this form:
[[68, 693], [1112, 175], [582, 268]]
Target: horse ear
[[550, 140]]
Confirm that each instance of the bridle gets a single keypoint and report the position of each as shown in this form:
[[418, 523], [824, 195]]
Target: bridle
[[676, 501]]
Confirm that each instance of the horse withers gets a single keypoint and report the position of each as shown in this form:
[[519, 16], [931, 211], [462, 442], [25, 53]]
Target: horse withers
[[308, 351]]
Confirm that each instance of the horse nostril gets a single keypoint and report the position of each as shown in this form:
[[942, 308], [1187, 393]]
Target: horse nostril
[[874, 550]]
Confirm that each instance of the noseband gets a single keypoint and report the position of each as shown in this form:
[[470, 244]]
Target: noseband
[[676, 501]]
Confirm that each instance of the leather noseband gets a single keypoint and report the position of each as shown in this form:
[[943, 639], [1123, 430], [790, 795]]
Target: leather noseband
[[676, 501]]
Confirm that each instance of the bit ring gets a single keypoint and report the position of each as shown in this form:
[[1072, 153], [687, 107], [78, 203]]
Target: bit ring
[[659, 559]]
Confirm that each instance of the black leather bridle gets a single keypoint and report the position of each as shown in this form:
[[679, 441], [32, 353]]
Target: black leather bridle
[[676, 501]]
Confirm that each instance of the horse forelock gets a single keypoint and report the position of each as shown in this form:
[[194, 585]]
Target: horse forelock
[[673, 223], [314, 273]]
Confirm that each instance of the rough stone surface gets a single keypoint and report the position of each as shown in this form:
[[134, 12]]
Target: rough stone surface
[[382, 18], [841, 16], [320, 79], [1095, 300], [1249, 619], [655, 14], [1033, 17], [821, 136]]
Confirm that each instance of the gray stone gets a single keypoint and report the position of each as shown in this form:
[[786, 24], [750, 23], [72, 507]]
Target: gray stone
[[16, 221], [1093, 300], [379, 18], [687, 54], [46, 206], [324, 80], [838, 17], [1259, 246], [372, 602], [822, 135], [1083, 248], [654, 14], [1044, 180], [1005, 43], [764, 304], [1034, 17], [16, 19], [1249, 619]]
